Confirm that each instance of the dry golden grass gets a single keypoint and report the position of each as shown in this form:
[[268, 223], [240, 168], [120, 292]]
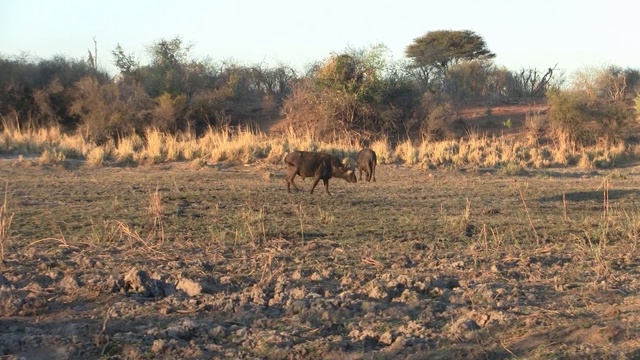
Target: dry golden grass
[[156, 212], [5, 222], [52, 156], [245, 145], [155, 149], [407, 153], [383, 150], [96, 157]]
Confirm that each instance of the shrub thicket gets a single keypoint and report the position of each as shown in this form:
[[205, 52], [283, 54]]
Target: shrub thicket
[[358, 94]]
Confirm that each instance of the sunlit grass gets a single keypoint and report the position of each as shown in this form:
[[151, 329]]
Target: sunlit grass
[[245, 145]]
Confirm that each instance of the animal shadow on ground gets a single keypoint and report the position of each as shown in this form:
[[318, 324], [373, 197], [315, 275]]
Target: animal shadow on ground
[[592, 195]]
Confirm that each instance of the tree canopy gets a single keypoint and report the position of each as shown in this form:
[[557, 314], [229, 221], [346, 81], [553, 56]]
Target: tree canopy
[[445, 47]]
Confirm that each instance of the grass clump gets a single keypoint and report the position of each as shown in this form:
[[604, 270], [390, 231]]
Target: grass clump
[[96, 156], [52, 156], [5, 223], [512, 169]]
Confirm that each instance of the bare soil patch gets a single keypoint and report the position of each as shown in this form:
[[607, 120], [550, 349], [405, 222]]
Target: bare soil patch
[[500, 118], [170, 262]]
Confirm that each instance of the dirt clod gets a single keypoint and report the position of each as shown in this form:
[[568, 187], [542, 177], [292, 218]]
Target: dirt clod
[[191, 287], [138, 281]]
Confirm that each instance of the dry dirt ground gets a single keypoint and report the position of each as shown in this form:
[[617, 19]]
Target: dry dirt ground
[[170, 262], [500, 118]]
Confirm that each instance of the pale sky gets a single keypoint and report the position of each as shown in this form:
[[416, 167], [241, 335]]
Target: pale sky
[[575, 34]]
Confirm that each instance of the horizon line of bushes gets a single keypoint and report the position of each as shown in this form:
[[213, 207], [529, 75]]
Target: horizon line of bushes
[[358, 94]]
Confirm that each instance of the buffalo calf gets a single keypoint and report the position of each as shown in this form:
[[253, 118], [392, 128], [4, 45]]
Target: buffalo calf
[[366, 160]]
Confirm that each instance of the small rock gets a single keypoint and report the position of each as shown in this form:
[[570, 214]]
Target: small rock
[[297, 293], [158, 346], [484, 319], [297, 275], [346, 281], [376, 291], [218, 332], [407, 296], [241, 333], [166, 310], [445, 283], [191, 287], [138, 281], [189, 324], [612, 311], [468, 324], [69, 284], [367, 335], [386, 338], [316, 277], [178, 332], [404, 280], [420, 286], [297, 306], [398, 344], [257, 294], [132, 352], [327, 273]]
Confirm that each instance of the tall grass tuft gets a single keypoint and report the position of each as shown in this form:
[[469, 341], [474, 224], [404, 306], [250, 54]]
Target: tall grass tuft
[[96, 156], [154, 148], [172, 150], [276, 155], [235, 144], [407, 153], [535, 126], [127, 151], [155, 210], [383, 150], [52, 156], [5, 223]]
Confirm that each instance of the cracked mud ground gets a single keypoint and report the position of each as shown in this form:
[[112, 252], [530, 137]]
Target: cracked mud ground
[[169, 261]]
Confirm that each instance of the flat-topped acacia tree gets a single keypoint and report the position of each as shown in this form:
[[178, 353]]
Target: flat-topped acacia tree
[[436, 51]]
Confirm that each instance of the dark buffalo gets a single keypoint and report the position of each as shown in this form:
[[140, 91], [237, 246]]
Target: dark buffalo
[[318, 165], [367, 161]]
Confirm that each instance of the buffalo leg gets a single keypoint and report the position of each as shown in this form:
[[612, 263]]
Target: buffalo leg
[[326, 185], [290, 176], [315, 182]]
